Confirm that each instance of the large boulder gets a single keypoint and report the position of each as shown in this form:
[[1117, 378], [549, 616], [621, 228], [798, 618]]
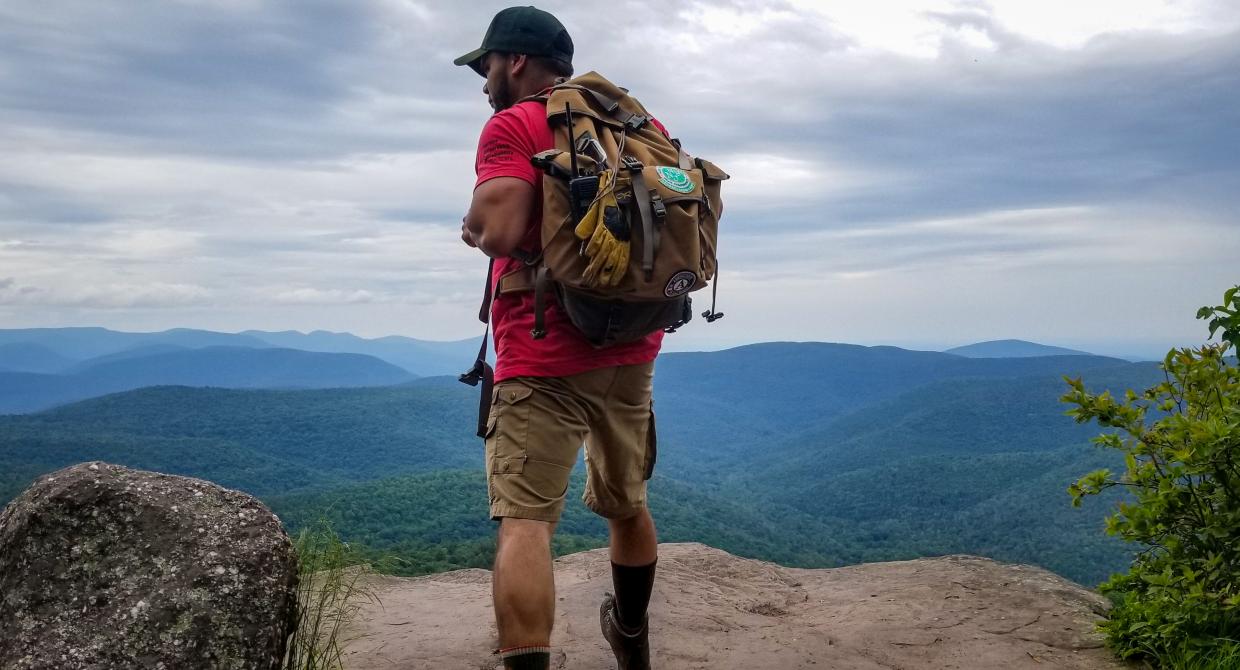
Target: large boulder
[[102, 566]]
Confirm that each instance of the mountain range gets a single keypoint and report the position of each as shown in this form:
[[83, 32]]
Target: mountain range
[[53, 350], [45, 367], [810, 454]]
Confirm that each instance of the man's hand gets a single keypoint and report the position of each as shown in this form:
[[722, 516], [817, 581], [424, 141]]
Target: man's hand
[[467, 236]]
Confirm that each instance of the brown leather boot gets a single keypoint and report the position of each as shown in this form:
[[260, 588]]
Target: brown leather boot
[[632, 648]]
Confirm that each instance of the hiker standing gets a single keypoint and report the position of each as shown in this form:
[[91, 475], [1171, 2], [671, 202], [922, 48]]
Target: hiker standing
[[572, 366]]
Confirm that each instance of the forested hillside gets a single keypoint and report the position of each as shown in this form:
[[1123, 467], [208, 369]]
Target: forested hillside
[[807, 454]]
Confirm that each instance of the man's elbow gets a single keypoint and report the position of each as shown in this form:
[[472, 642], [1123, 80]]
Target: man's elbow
[[495, 246]]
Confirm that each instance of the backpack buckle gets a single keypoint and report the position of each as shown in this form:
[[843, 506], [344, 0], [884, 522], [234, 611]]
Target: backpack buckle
[[635, 122], [657, 207]]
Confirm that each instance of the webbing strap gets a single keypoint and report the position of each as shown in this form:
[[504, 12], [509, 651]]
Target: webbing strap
[[642, 194], [482, 371], [540, 303], [710, 314], [611, 106]]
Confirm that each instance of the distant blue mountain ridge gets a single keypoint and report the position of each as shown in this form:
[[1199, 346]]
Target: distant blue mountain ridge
[[225, 367], [31, 357], [44, 369], [1012, 349], [51, 350]]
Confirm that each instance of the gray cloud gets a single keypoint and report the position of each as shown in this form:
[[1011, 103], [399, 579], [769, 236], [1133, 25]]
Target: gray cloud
[[234, 155]]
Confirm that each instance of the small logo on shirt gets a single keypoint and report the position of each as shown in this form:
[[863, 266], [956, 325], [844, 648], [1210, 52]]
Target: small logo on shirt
[[675, 179], [680, 283]]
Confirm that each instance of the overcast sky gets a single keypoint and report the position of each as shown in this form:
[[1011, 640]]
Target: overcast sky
[[925, 174]]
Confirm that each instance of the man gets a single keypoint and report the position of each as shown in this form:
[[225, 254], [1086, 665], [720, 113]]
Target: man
[[554, 393]]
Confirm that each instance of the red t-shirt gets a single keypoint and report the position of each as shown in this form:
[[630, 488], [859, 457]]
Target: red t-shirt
[[508, 141]]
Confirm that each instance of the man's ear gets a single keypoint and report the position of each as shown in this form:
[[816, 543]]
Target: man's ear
[[519, 61]]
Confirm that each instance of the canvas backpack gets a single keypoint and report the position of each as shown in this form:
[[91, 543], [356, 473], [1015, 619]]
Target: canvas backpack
[[611, 162]]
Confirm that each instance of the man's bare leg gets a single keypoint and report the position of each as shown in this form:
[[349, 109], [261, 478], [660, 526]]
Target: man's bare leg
[[523, 586], [633, 540]]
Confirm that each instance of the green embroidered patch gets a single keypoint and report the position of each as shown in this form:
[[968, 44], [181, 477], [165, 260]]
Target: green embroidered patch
[[675, 179]]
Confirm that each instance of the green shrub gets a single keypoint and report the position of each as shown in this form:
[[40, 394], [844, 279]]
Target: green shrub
[[1180, 602]]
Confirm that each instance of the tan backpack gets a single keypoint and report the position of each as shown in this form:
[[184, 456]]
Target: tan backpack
[[642, 233]]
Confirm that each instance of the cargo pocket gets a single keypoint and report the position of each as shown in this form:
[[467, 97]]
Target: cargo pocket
[[652, 445], [508, 428]]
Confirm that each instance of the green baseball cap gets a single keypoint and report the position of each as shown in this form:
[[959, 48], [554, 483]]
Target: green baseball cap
[[523, 30]]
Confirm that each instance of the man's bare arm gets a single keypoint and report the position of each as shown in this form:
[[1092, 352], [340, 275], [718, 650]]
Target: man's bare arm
[[499, 214]]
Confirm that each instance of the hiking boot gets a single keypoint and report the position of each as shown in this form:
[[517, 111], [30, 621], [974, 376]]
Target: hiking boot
[[632, 649]]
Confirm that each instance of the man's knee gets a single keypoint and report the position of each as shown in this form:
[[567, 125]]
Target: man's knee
[[525, 530], [631, 518]]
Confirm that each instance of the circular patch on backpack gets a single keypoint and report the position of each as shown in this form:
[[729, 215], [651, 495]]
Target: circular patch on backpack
[[680, 283], [676, 179]]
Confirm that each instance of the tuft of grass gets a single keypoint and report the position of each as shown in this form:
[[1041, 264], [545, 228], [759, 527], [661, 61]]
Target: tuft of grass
[[1224, 654], [331, 591]]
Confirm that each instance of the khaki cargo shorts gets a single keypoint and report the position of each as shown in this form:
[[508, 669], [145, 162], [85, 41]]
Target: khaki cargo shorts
[[538, 424]]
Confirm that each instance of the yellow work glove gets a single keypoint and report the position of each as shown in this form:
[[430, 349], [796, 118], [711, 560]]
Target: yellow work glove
[[603, 228]]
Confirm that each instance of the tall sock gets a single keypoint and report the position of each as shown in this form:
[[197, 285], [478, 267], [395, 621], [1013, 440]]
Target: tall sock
[[526, 658], [633, 585]]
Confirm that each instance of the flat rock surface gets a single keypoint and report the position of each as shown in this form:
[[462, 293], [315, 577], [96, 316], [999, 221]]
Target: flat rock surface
[[713, 610]]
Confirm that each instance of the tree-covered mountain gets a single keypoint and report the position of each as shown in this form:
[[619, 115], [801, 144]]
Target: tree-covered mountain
[[227, 367], [805, 454], [711, 404]]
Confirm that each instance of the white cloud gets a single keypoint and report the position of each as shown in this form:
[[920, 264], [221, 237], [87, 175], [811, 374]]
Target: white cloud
[[315, 296], [107, 296]]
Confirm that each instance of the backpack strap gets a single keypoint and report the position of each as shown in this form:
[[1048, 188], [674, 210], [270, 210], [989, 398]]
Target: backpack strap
[[627, 120], [482, 371], [645, 210]]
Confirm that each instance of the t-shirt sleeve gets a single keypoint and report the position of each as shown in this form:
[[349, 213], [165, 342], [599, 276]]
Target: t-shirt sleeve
[[505, 148]]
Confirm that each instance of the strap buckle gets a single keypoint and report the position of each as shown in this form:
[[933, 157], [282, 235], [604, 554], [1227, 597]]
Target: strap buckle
[[657, 206]]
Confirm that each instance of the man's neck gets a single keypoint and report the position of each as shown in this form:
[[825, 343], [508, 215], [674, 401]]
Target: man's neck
[[535, 87]]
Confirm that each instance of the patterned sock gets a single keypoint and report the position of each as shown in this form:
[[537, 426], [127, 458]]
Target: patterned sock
[[526, 658], [633, 585]]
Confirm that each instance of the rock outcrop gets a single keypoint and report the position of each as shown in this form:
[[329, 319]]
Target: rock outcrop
[[712, 610], [106, 567]]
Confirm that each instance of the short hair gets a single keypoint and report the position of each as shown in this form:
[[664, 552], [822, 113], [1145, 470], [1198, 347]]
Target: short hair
[[553, 66]]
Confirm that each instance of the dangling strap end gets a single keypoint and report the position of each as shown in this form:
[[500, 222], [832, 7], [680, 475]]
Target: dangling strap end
[[539, 330], [473, 376]]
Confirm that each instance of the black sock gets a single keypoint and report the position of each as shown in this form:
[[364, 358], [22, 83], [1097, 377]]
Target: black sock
[[633, 585], [528, 658]]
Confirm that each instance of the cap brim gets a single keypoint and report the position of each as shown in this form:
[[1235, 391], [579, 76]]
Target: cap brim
[[472, 59]]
